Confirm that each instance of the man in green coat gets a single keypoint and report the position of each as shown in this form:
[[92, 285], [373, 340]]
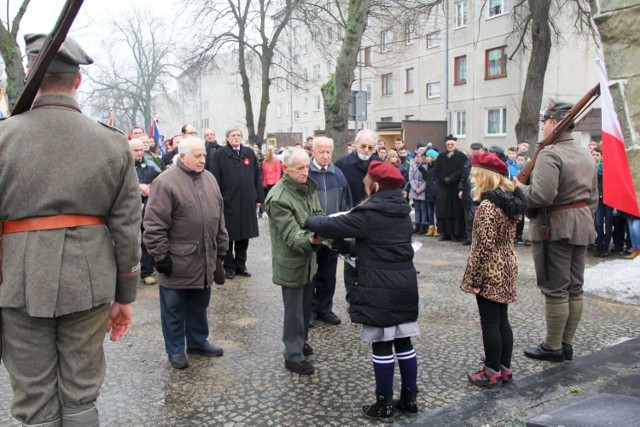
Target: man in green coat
[[290, 202]]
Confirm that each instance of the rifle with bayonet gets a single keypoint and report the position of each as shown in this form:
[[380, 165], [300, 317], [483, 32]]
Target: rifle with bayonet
[[559, 129], [51, 46]]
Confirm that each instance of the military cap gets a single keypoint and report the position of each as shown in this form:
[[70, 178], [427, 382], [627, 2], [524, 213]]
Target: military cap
[[68, 59], [476, 146]]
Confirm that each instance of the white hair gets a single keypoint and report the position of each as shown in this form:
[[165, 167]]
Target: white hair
[[291, 153], [366, 132], [322, 139], [187, 144]]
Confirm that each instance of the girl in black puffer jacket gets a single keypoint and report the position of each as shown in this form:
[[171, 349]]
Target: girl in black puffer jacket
[[385, 297]]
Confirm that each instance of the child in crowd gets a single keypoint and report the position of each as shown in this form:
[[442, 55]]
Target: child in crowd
[[492, 268], [516, 167], [431, 190], [511, 156], [417, 186], [385, 301]]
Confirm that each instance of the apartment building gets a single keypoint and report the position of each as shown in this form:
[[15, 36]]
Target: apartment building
[[454, 65]]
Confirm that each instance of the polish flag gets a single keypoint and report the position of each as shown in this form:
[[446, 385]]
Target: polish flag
[[619, 191]]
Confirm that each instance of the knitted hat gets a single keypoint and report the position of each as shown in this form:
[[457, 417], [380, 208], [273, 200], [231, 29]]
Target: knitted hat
[[431, 153], [385, 174], [489, 161]]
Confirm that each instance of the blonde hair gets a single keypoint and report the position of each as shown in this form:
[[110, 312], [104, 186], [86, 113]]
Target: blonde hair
[[484, 180], [268, 155]]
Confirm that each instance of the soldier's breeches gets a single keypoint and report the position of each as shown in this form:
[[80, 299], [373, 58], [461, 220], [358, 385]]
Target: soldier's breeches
[[56, 365], [566, 268]]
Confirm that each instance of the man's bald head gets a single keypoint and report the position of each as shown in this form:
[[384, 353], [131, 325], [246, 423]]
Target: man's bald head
[[137, 148]]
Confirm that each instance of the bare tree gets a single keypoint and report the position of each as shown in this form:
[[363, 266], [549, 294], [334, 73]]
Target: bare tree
[[251, 28], [128, 83], [11, 54]]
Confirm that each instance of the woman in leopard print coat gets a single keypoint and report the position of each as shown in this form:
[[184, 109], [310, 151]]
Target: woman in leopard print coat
[[492, 269]]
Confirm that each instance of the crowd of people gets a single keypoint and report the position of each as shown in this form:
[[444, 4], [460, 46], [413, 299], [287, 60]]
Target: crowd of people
[[187, 208]]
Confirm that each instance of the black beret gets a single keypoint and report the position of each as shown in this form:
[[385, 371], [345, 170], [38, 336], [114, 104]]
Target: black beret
[[68, 59]]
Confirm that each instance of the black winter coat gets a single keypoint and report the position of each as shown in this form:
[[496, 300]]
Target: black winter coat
[[386, 290], [355, 170], [449, 173], [241, 187]]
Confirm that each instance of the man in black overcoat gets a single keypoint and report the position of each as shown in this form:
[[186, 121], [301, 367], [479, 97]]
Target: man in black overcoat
[[236, 169], [449, 208]]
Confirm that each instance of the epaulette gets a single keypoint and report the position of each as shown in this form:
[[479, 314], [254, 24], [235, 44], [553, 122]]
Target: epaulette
[[111, 127]]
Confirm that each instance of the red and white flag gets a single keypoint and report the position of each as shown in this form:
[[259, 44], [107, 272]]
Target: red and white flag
[[619, 191]]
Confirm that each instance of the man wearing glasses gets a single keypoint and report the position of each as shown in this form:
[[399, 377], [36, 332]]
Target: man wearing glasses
[[564, 192]]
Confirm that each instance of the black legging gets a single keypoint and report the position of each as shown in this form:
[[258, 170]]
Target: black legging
[[497, 336], [383, 348]]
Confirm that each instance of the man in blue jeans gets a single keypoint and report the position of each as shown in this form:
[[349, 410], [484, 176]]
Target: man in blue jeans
[[185, 234]]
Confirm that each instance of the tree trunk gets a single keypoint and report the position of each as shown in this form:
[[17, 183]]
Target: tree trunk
[[337, 91], [528, 126]]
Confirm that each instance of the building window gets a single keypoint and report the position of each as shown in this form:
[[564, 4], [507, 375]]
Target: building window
[[329, 68], [339, 33], [461, 123], [387, 84], [460, 70], [316, 71], [305, 75], [367, 56], [305, 105], [433, 40], [409, 73], [369, 93], [386, 3], [461, 13], [387, 40], [409, 32], [279, 85], [433, 90], [330, 35], [496, 7], [278, 110], [497, 121], [316, 103], [296, 114], [287, 109], [386, 119], [496, 63]]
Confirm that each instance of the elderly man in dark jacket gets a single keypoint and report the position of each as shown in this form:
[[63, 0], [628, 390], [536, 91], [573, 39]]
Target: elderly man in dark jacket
[[449, 209], [184, 232], [238, 174]]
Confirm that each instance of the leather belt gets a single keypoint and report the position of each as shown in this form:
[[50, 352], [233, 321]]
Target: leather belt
[[554, 208], [41, 223]]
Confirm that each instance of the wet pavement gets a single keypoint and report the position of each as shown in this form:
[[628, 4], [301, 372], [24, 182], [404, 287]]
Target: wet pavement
[[249, 386]]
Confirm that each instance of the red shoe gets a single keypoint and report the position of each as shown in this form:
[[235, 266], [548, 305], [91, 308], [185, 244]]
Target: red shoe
[[507, 375], [486, 377]]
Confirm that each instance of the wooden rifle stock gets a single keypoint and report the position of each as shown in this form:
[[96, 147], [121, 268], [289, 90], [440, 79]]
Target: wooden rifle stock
[[51, 46], [592, 95]]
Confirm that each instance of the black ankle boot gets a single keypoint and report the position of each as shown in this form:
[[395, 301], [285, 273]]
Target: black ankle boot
[[423, 229], [407, 402], [382, 410], [416, 229], [567, 350]]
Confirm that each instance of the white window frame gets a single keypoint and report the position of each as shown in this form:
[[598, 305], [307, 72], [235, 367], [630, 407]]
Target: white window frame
[[502, 121], [316, 103], [278, 110], [287, 109], [409, 32], [369, 93], [316, 71], [305, 105], [387, 84], [462, 11], [460, 124], [387, 40], [433, 90], [496, 8], [433, 40], [279, 86]]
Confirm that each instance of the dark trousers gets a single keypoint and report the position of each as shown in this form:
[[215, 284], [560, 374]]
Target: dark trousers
[[183, 313], [324, 282], [520, 228], [238, 262], [295, 328], [146, 263], [350, 276], [431, 213], [621, 233], [497, 336], [604, 224], [566, 268]]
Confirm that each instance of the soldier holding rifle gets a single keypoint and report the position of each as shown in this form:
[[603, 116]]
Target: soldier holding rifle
[[67, 278], [563, 196]]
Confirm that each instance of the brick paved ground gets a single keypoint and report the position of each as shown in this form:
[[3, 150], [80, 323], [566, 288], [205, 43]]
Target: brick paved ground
[[249, 386]]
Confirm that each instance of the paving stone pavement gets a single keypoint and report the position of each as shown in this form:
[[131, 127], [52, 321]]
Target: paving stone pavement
[[249, 386]]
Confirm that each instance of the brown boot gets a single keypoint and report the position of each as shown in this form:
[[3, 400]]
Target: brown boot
[[634, 253], [431, 231]]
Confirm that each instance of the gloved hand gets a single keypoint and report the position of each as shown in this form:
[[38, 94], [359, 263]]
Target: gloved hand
[[164, 266], [447, 180], [219, 274]]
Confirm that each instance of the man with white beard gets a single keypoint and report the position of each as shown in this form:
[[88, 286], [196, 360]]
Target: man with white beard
[[355, 167]]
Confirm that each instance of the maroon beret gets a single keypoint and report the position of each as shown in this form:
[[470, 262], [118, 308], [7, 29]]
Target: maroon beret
[[489, 161], [385, 174]]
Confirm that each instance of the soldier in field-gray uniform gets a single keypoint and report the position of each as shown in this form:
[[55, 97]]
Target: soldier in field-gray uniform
[[67, 278]]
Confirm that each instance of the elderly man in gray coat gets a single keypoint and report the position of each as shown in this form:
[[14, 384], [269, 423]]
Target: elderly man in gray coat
[[185, 234]]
